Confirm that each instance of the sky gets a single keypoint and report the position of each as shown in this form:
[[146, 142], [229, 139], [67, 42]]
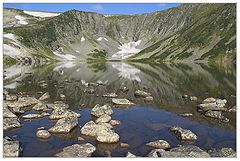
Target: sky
[[106, 8]]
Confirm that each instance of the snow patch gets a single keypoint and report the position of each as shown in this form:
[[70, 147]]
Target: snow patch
[[21, 20], [41, 14], [65, 56], [10, 51], [127, 71], [10, 36], [77, 51], [102, 38], [82, 39], [127, 50]]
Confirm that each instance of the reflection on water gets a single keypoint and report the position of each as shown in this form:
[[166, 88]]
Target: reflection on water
[[141, 124]]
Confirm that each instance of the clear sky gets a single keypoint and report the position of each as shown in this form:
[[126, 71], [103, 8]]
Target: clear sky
[[106, 8]]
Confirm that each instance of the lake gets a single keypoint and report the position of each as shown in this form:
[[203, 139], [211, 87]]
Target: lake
[[140, 124]]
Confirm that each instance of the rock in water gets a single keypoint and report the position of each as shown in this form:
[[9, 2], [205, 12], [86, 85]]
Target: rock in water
[[35, 116], [148, 99], [64, 125], [6, 112], [213, 104], [105, 134], [43, 134], [45, 96], [224, 152], [180, 152], [122, 101], [115, 122], [130, 155], [103, 119], [89, 129], [61, 113], [100, 110], [159, 144], [184, 134], [10, 123], [142, 93], [10, 148], [77, 150], [40, 107], [124, 145]]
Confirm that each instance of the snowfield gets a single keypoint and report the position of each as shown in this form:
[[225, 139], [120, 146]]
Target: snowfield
[[10, 51], [127, 49], [41, 14], [21, 20], [102, 38]]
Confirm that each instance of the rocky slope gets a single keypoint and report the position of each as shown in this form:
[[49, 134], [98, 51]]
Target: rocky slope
[[190, 32]]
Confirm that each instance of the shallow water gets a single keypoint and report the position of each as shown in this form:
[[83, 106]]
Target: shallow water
[[139, 124]]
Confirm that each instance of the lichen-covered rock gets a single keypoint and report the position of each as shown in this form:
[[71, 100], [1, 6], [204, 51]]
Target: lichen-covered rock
[[130, 155], [40, 107], [159, 144], [6, 112], [184, 134], [43, 134], [103, 119], [114, 122], [35, 116], [110, 95], [89, 129], [77, 150], [11, 97], [142, 93], [101, 110], [21, 103], [10, 148], [213, 104], [45, 96], [59, 105], [188, 151], [61, 113], [122, 101], [64, 125], [224, 152], [105, 134], [10, 123]]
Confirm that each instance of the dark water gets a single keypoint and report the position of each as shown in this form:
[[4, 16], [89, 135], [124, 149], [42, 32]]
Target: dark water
[[139, 124]]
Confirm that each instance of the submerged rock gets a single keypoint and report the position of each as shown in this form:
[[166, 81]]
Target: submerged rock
[[122, 101], [6, 112], [10, 123], [64, 125], [188, 151], [184, 134], [130, 155], [110, 95], [103, 119], [159, 144], [40, 107], [114, 122], [35, 116], [101, 110], [10, 148], [142, 93], [45, 96], [224, 152], [77, 150], [43, 134]]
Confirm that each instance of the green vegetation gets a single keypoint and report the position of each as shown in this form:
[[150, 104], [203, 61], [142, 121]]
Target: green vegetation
[[8, 61]]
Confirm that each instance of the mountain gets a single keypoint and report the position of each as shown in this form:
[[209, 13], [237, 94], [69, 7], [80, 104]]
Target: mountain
[[190, 32]]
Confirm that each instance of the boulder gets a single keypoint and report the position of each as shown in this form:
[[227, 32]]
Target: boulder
[[148, 98], [193, 98], [103, 119], [223, 152], [11, 97], [186, 114], [43, 134], [10, 148], [101, 110], [77, 150], [130, 155], [7, 113], [110, 95], [10, 123], [213, 104], [35, 116], [64, 125], [114, 122], [40, 107], [159, 144], [209, 100], [142, 93], [21, 103], [186, 151], [124, 145], [61, 113], [89, 129], [45, 96], [62, 96], [122, 101], [233, 109], [184, 134], [59, 105], [105, 134], [214, 114]]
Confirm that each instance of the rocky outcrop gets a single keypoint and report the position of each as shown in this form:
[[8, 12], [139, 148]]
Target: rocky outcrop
[[11, 148], [77, 150]]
